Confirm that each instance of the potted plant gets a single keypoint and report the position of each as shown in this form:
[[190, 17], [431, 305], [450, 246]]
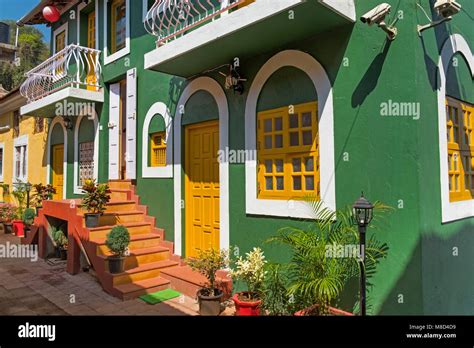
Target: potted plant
[[94, 201], [249, 270], [42, 193], [20, 195], [317, 274], [61, 241], [117, 241], [208, 263], [28, 218], [8, 213]]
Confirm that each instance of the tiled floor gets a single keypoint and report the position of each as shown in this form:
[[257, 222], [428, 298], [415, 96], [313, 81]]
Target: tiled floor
[[45, 288]]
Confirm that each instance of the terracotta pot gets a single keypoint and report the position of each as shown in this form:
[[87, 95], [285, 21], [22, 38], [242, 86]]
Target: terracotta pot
[[18, 228], [244, 308], [210, 305], [8, 227], [332, 311]]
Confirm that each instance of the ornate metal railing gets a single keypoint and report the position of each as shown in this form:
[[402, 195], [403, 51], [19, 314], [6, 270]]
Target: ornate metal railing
[[74, 66], [168, 19]]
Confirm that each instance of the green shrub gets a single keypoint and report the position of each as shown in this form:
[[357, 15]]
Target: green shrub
[[59, 237], [118, 240], [208, 263], [250, 270], [29, 216]]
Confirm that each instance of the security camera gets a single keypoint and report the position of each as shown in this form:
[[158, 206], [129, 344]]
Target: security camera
[[447, 8], [377, 16]]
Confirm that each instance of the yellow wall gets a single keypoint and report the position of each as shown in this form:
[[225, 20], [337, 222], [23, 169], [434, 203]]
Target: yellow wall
[[36, 150]]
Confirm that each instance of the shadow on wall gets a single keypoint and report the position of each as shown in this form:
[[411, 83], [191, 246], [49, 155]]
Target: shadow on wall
[[446, 278], [371, 77]]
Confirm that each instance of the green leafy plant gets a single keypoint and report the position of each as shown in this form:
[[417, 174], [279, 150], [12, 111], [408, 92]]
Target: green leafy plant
[[96, 196], [250, 270], [28, 216], [118, 240], [20, 195], [59, 237], [43, 193], [276, 300], [208, 262], [316, 277]]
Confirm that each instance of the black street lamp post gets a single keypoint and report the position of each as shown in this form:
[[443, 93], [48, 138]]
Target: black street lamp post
[[28, 189], [362, 211]]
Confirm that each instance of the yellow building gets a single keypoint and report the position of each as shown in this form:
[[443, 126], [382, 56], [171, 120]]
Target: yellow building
[[22, 143]]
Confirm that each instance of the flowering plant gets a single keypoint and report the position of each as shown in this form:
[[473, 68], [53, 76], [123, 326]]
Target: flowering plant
[[8, 212], [250, 270]]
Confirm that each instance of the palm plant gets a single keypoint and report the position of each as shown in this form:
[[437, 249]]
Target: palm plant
[[317, 276]]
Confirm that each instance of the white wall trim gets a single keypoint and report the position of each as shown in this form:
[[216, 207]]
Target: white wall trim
[[2, 168], [77, 187], [322, 84], [20, 141], [55, 121], [158, 109], [211, 86], [451, 211], [64, 27], [124, 51]]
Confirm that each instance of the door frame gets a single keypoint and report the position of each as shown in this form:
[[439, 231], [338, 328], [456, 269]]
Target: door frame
[[53, 147], [56, 120], [212, 87], [187, 130]]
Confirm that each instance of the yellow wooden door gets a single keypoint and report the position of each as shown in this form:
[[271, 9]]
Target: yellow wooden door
[[91, 57], [202, 187], [58, 170]]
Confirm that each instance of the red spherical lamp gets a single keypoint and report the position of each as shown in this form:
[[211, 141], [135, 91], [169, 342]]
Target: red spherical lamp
[[51, 14]]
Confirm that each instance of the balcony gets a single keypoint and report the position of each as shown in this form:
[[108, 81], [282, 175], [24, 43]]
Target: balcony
[[71, 75], [193, 36]]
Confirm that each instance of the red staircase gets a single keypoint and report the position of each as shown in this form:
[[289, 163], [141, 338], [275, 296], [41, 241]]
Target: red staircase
[[151, 265]]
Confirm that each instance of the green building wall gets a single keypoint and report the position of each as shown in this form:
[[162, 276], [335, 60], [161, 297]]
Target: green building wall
[[394, 160]]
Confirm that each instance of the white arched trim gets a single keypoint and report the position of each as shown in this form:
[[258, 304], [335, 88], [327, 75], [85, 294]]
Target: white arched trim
[[57, 120], [322, 84], [157, 110], [211, 86], [77, 187], [450, 210]]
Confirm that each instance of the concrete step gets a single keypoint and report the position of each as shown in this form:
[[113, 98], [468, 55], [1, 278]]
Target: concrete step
[[120, 195], [139, 241], [120, 184], [148, 286], [119, 206], [188, 282], [98, 234], [146, 271]]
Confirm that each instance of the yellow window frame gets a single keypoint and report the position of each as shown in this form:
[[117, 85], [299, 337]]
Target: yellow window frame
[[285, 137], [460, 136], [157, 149], [113, 9]]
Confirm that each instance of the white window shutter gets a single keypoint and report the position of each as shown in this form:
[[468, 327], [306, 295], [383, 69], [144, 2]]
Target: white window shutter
[[114, 131], [131, 154]]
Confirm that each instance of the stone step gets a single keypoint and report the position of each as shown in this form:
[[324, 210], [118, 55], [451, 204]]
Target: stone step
[[119, 206], [120, 184], [148, 286], [139, 241], [97, 234], [120, 194], [146, 271]]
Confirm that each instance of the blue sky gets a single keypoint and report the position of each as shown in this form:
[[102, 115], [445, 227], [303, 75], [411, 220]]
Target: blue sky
[[15, 9]]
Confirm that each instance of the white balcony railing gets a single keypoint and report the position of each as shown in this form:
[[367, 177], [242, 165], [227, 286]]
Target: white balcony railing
[[74, 66], [168, 19]]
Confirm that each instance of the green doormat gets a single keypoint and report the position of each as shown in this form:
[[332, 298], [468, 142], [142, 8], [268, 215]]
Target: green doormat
[[160, 296]]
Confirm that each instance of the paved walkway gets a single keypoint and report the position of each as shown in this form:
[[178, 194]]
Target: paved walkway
[[45, 288]]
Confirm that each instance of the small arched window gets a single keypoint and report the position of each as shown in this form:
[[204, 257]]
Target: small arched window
[[157, 135]]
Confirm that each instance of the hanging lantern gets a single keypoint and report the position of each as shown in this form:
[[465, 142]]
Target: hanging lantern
[[51, 14]]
